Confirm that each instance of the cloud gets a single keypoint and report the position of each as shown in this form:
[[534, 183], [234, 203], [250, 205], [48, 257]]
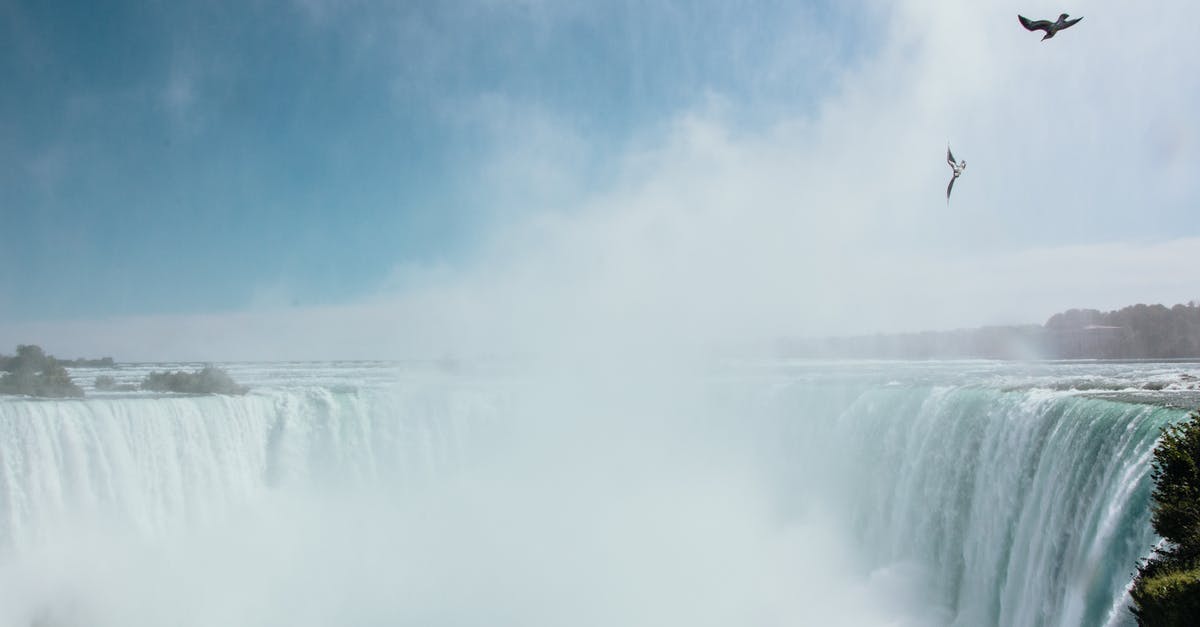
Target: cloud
[[828, 220], [523, 156]]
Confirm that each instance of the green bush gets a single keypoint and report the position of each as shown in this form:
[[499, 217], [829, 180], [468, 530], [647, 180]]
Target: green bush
[[209, 380], [1176, 510], [1169, 598], [107, 383], [1166, 590], [34, 373]]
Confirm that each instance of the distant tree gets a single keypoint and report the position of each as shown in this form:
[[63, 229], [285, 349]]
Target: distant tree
[[29, 358], [1166, 590], [1074, 319], [103, 362]]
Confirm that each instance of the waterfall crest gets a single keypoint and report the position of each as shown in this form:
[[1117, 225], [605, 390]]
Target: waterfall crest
[[997, 505]]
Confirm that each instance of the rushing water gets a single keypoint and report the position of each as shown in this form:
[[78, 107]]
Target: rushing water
[[944, 494]]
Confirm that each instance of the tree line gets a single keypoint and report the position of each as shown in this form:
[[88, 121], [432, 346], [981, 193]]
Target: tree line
[[1135, 332]]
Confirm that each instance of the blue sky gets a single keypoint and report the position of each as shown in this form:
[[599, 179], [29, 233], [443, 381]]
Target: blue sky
[[314, 179], [180, 156]]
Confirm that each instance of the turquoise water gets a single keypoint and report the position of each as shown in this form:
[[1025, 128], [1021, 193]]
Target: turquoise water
[[1022, 507]]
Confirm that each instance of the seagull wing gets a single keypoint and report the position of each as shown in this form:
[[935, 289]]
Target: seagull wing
[[950, 157], [950, 187], [1070, 23], [1032, 25]]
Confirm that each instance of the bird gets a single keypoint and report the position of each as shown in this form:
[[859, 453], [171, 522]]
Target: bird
[[958, 168], [1050, 27]]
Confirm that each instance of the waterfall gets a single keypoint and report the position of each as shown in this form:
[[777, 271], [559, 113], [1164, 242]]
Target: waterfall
[[993, 504], [161, 463], [1022, 507]]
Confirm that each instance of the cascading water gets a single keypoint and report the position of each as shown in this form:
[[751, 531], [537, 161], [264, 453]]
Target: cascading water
[[993, 498], [1020, 507], [159, 463]]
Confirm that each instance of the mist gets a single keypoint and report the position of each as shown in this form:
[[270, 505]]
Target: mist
[[825, 220], [599, 476], [588, 501]]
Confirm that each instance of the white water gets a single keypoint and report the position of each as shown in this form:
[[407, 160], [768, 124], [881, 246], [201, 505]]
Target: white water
[[371, 494]]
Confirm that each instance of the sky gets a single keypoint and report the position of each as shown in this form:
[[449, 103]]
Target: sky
[[314, 179]]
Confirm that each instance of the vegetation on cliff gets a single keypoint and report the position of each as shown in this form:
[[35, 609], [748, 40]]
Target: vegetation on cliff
[[209, 380], [1167, 588]]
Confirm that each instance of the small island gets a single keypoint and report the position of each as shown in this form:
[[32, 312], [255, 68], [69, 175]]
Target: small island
[[208, 380], [31, 372]]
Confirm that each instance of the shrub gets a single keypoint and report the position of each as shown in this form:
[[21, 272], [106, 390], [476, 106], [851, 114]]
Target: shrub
[[209, 380], [1169, 598], [34, 373], [1166, 590], [106, 383]]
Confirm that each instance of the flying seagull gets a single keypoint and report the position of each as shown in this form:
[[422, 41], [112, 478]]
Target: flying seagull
[[1050, 27], [958, 168]]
